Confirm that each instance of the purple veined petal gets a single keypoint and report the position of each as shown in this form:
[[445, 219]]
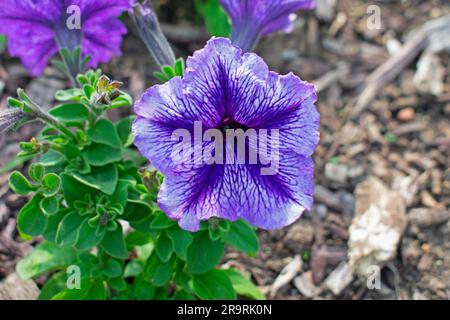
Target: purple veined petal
[[235, 192], [101, 9], [228, 80], [100, 44], [253, 19], [225, 87], [161, 111], [286, 104]]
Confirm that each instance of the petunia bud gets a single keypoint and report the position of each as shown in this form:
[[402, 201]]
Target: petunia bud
[[10, 118], [147, 24]]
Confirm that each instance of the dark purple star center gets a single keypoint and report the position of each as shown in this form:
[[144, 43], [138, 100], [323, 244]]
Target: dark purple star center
[[230, 123]]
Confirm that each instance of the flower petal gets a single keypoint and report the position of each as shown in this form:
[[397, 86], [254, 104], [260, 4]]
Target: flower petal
[[220, 77], [31, 27], [286, 103], [240, 191], [255, 18]]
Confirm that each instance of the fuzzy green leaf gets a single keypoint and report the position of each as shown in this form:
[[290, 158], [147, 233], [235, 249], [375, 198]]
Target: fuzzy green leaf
[[214, 285], [19, 184], [203, 254]]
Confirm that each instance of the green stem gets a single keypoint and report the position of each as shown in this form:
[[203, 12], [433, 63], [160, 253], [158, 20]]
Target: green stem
[[37, 111]]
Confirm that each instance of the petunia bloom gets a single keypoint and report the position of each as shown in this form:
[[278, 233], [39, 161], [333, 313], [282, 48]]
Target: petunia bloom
[[223, 87], [37, 29], [253, 19]]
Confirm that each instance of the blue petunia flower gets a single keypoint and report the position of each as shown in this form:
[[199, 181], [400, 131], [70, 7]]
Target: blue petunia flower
[[253, 19], [226, 88], [37, 29]]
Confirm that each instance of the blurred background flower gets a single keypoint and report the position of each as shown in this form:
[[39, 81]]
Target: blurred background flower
[[253, 19], [38, 29]]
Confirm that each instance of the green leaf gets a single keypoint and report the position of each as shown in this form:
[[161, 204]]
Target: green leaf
[[183, 295], [170, 73], [88, 90], [85, 61], [36, 171], [98, 154], [143, 225], [144, 291], [19, 184], [161, 76], [70, 112], [179, 67], [49, 206], [82, 79], [45, 257], [124, 131], [215, 17], [51, 184], [52, 225], [88, 237], [2, 44], [243, 286], [114, 243], [104, 132], [73, 94], [137, 210], [163, 247], [183, 280], [112, 269], [181, 240], [67, 56], [91, 289], [215, 233], [133, 269], [203, 254], [25, 237], [118, 284], [123, 100], [67, 234], [242, 237], [214, 285], [73, 189], [161, 221], [51, 158], [100, 178], [159, 272], [56, 284], [31, 219], [136, 238], [14, 103], [120, 195]]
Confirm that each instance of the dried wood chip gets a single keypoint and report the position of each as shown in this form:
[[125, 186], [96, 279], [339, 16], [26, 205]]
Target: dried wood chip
[[379, 223], [339, 278], [425, 217], [304, 283], [287, 274], [14, 288]]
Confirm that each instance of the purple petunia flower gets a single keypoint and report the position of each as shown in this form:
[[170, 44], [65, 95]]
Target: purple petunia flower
[[253, 19], [37, 29], [225, 88]]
